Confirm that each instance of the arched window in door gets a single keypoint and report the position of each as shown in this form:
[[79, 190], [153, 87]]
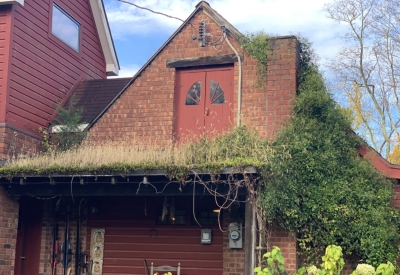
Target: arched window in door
[[193, 95], [216, 93]]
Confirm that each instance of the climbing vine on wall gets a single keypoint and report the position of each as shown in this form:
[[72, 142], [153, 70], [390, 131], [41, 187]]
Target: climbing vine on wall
[[324, 191], [256, 44]]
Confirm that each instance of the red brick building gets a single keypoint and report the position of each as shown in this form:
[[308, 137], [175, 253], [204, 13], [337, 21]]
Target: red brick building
[[202, 85], [195, 83]]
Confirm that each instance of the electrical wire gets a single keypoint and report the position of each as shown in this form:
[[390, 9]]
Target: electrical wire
[[156, 12]]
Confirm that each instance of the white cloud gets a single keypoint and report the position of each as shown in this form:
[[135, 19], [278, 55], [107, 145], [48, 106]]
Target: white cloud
[[277, 17], [127, 71]]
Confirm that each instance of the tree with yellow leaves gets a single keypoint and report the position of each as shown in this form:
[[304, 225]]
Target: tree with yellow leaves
[[366, 69]]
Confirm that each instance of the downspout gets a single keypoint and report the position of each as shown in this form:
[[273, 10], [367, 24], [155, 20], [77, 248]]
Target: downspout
[[240, 76]]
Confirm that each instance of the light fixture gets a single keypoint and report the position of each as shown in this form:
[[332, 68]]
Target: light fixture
[[145, 180], [217, 210]]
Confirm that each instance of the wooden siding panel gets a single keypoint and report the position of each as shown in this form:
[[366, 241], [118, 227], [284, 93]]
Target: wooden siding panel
[[128, 241], [43, 68], [5, 22]]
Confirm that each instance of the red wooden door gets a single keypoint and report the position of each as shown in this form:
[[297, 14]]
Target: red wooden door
[[204, 102], [27, 255]]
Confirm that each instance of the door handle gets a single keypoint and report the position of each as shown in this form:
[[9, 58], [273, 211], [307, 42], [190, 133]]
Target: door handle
[[23, 258]]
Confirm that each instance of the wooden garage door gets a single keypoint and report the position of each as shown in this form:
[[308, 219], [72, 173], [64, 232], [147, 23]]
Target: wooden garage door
[[133, 232], [204, 101]]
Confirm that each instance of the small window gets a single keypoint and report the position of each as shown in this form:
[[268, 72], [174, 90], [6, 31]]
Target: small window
[[65, 28], [193, 95], [216, 93]]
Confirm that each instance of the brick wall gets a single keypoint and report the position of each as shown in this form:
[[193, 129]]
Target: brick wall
[[8, 232], [282, 81], [16, 143], [233, 258], [145, 112], [286, 241]]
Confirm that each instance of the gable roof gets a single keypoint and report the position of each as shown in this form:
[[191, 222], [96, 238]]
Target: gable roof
[[94, 95], [202, 5]]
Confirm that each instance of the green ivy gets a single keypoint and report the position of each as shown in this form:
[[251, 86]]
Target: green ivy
[[256, 44], [321, 189]]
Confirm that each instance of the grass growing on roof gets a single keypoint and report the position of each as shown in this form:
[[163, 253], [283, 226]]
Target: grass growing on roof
[[240, 147]]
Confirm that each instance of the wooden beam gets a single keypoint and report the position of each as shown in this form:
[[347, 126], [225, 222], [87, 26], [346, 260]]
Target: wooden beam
[[202, 61], [249, 244], [104, 190]]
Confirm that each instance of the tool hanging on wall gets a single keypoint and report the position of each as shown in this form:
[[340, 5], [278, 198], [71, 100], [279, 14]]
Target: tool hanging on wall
[[80, 258], [66, 247], [55, 248]]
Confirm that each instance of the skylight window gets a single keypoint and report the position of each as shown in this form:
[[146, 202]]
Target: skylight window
[[65, 28]]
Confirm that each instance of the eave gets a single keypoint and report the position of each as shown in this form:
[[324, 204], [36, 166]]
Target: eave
[[388, 169], [12, 2], [157, 182], [106, 41]]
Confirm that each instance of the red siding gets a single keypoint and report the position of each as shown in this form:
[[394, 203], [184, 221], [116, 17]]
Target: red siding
[[43, 68], [5, 21], [128, 241]]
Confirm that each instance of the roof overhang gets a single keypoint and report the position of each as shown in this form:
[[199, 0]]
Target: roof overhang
[[114, 183], [12, 2], [388, 169], [107, 44]]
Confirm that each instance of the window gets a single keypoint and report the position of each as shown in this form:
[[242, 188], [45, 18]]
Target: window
[[216, 93], [193, 95], [65, 28]]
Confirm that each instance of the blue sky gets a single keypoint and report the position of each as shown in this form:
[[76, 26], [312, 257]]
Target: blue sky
[[138, 33]]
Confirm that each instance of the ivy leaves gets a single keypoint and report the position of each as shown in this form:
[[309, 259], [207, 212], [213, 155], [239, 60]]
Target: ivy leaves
[[322, 189]]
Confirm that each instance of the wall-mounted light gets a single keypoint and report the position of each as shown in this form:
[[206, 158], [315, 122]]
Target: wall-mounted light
[[217, 210], [145, 180]]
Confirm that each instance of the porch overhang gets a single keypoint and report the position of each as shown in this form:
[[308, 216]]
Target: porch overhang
[[135, 183]]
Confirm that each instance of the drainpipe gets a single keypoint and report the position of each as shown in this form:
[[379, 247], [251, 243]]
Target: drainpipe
[[240, 75]]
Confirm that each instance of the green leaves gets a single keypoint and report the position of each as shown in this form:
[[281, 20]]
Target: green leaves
[[272, 264], [332, 262], [319, 187], [256, 44], [385, 269]]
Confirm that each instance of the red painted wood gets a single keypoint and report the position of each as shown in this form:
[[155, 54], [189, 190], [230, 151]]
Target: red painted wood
[[128, 242], [208, 118], [42, 68], [220, 116], [5, 26], [189, 118], [28, 245]]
